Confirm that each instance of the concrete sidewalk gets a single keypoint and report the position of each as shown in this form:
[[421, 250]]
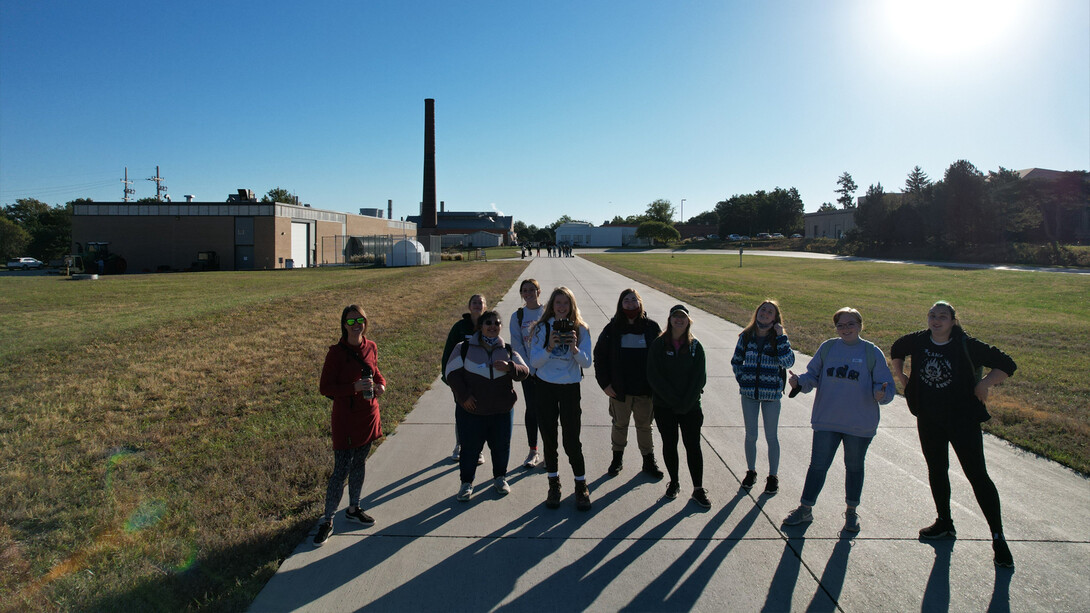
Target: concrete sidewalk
[[637, 551]]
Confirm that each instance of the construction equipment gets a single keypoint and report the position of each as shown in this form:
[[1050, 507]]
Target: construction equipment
[[96, 259]]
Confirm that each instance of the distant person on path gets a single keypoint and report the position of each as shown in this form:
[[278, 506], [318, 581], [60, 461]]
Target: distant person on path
[[760, 364], [350, 376], [522, 327], [560, 350], [676, 370], [460, 331], [851, 378], [946, 393], [620, 367], [481, 371]]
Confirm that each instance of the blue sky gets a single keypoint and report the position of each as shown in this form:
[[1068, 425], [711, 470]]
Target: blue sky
[[590, 109]]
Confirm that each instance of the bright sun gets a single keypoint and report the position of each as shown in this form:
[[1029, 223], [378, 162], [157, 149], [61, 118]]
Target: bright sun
[[949, 27]]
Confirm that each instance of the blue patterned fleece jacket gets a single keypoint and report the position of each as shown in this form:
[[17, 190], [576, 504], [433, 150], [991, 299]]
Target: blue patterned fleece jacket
[[758, 373]]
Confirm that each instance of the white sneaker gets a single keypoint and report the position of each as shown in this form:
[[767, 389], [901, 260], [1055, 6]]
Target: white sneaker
[[532, 459], [480, 459], [465, 492], [501, 486], [457, 453]]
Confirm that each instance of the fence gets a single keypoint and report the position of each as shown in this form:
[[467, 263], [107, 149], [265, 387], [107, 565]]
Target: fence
[[343, 250]]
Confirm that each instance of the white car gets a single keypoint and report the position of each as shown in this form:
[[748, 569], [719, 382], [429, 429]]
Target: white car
[[24, 263]]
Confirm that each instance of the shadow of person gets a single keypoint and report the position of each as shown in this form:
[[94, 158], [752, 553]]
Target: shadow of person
[[1001, 593], [782, 586], [832, 578], [936, 595]]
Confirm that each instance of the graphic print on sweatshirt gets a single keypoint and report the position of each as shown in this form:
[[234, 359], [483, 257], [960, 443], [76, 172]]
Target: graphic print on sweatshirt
[[937, 372], [847, 371]]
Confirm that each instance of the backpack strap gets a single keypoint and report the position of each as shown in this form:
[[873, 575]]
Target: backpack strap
[[519, 314]]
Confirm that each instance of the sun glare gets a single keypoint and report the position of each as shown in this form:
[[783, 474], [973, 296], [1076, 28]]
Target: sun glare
[[950, 27]]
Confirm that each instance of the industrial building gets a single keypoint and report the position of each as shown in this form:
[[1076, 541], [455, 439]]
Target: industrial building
[[244, 234]]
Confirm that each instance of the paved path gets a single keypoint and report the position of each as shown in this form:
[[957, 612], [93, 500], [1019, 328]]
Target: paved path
[[636, 551]]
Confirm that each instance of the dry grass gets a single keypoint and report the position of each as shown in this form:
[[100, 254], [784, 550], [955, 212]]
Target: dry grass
[[170, 453]]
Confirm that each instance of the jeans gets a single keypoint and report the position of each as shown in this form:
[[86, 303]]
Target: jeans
[[821, 458], [770, 409], [351, 463], [689, 424], [936, 438], [529, 396], [476, 430], [560, 402], [632, 407]]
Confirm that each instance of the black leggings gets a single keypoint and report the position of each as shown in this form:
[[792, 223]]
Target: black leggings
[[936, 438], [559, 402], [689, 423]]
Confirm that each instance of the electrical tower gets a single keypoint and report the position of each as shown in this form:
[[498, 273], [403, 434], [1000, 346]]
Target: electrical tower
[[128, 190], [160, 189]]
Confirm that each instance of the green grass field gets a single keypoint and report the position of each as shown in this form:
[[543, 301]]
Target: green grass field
[[1041, 319], [164, 445]]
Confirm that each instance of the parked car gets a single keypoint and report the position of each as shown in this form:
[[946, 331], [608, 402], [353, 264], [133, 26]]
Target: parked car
[[713, 237], [734, 237], [24, 263], [777, 235], [763, 235], [796, 235]]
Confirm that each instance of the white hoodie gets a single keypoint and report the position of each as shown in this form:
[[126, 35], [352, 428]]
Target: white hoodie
[[561, 365]]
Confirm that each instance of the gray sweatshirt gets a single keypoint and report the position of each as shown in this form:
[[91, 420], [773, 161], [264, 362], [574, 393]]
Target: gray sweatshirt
[[845, 387]]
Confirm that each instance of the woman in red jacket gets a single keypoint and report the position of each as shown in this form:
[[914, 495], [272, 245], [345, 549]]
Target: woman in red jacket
[[352, 379]]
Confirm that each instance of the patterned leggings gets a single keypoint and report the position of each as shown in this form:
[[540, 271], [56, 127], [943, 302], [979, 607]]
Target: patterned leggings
[[351, 463]]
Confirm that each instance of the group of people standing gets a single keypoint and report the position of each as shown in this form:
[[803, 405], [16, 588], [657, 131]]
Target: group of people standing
[[654, 374]]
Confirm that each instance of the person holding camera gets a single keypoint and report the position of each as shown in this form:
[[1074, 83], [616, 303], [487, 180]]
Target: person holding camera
[[481, 372], [560, 350], [350, 376], [620, 367]]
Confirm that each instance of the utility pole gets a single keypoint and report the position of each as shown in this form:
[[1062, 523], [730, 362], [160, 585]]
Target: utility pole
[[160, 189], [128, 190], [682, 210]]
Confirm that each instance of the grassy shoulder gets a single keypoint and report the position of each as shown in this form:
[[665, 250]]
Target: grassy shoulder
[[1042, 320], [166, 446]]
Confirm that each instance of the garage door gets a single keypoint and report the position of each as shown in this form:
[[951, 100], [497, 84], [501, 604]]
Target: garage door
[[300, 244]]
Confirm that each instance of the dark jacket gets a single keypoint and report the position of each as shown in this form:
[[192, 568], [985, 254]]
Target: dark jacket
[[474, 376], [460, 331], [624, 368], [677, 377], [970, 356], [355, 420]]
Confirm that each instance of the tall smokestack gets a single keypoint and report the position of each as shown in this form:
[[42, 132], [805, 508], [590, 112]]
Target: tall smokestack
[[389, 209], [428, 218]]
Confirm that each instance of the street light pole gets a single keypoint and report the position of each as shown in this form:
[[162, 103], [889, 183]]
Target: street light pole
[[682, 210]]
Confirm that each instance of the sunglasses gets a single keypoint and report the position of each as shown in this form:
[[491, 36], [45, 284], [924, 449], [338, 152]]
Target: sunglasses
[[359, 320], [491, 322]]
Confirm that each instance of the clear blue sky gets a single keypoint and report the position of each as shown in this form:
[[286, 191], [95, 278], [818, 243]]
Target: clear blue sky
[[588, 108]]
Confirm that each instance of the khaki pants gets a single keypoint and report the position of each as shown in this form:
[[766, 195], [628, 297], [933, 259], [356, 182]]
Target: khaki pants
[[639, 408]]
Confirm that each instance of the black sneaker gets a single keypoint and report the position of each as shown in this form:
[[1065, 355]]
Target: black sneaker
[[324, 530], [672, 490], [772, 485], [359, 516], [1003, 557], [552, 499], [582, 496], [749, 480], [939, 529], [700, 495]]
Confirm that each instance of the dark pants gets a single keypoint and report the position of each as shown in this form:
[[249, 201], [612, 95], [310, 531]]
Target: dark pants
[[351, 463], [530, 392], [669, 423], [476, 430], [560, 402], [936, 438]]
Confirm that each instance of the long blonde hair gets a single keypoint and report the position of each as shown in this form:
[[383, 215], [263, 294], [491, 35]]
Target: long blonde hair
[[548, 312]]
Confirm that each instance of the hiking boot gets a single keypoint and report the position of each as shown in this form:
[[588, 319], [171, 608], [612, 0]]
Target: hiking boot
[[582, 496], [532, 459], [501, 486], [552, 499], [324, 530], [617, 464], [457, 453], [749, 480], [1003, 557], [672, 489], [650, 467], [851, 520], [700, 495], [465, 492], [941, 527], [800, 515], [772, 485], [359, 516]]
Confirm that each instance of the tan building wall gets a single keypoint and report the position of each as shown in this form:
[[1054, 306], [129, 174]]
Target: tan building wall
[[147, 243]]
